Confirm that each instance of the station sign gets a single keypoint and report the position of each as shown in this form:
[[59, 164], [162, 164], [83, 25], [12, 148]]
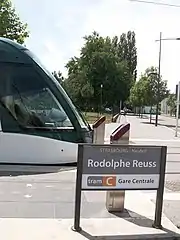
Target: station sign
[[115, 167], [112, 167]]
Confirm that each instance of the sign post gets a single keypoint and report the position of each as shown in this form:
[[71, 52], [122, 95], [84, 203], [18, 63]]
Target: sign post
[[160, 190], [120, 167], [177, 109], [77, 214]]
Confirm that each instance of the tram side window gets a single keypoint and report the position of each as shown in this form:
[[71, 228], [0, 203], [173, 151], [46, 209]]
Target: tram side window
[[29, 99]]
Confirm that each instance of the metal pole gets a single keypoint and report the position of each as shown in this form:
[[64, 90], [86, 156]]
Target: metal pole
[[177, 110], [159, 77], [77, 211], [101, 98], [120, 106], [160, 191]]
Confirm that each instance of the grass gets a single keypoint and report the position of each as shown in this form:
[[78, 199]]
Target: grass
[[91, 117]]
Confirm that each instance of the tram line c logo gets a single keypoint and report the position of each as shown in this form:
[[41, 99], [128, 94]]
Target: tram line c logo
[[101, 181]]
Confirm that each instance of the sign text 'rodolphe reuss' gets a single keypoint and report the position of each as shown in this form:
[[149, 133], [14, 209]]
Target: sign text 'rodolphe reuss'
[[120, 164], [121, 160]]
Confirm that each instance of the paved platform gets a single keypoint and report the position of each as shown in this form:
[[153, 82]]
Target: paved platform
[[144, 133], [142, 129], [44, 209], [93, 229], [41, 206]]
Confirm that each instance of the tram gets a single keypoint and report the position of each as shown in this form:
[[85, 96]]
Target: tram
[[39, 124]]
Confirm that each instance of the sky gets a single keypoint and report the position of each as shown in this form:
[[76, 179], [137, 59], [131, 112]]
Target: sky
[[57, 28]]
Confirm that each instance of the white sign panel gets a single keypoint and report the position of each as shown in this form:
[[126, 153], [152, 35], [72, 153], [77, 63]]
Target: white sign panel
[[120, 167]]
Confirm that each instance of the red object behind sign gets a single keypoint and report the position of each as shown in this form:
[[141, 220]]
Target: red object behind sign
[[99, 122], [120, 131]]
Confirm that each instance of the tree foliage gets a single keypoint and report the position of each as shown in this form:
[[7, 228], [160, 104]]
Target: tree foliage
[[10, 24], [138, 92], [157, 88], [149, 90], [103, 61]]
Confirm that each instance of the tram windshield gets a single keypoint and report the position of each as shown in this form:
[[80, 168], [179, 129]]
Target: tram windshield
[[42, 106], [79, 115], [29, 99]]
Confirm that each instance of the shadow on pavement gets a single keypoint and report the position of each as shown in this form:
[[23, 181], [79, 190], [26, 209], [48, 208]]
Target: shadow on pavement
[[167, 125], [139, 221], [160, 124], [25, 169], [152, 120]]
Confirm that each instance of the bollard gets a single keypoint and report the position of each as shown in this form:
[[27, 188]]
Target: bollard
[[115, 199], [115, 117], [99, 130], [120, 135]]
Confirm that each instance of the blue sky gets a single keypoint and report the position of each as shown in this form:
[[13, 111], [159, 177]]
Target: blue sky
[[57, 27]]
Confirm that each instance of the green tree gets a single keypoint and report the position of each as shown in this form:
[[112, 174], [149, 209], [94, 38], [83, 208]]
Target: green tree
[[157, 88], [10, 24], [149, 89], [100, 63], [79, 91], [125, 48], [138, 98]]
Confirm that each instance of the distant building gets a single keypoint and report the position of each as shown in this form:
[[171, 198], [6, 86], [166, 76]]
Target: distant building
[[165, 109], [148, 109]]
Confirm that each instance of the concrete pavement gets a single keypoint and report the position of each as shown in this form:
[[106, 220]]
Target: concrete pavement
[[41, 206], [141, 132], [144, 133], [168, 121], [142, 129], [93, 229]]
